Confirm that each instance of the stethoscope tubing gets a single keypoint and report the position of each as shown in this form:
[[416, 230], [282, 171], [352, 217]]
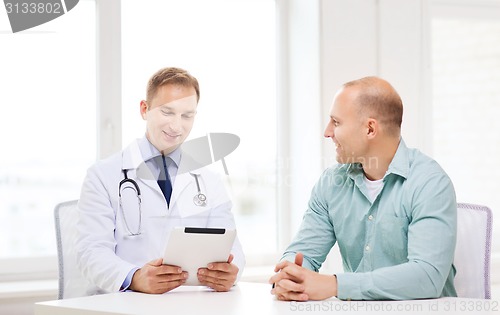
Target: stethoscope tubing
[[139, 201], [199, 199]]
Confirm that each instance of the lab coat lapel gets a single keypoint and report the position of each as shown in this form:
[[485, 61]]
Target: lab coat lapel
[[182, 181], [132, 160]]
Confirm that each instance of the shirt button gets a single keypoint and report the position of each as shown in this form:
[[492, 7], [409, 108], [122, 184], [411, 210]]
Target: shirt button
[[370, 217], [367, 247]]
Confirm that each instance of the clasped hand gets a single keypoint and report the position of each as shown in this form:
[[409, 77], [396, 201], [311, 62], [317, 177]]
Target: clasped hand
[[296, 283], [157, 278]]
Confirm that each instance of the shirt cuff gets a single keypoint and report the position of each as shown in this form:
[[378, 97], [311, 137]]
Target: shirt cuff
[[351, 286], [128, 280], [306, 264]]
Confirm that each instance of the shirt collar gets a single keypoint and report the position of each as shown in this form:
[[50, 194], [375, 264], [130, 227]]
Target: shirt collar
[[149, 151], [400, 165]]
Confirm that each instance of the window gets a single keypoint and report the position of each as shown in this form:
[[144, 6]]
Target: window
[[230, 47], [466, 100], [48, 126]]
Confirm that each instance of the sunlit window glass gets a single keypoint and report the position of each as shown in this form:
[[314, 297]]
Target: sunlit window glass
[[48, 125]]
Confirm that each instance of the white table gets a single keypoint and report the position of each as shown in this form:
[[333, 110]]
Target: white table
[[250, 298]]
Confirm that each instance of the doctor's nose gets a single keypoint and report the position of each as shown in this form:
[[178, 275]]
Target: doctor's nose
[[175, 124]]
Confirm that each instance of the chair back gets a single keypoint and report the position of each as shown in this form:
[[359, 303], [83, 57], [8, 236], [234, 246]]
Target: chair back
[[473, 251], [71, 281]]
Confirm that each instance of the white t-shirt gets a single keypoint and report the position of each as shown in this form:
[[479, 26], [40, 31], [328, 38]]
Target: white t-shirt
[[374, 187]]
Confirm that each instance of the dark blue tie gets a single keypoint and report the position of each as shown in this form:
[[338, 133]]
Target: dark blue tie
[[164, 181]]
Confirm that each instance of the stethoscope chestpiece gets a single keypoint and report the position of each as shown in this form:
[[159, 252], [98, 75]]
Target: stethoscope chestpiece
[[200, 200]]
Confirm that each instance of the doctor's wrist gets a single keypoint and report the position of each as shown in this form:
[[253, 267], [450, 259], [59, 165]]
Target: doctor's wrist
[[127, 283]]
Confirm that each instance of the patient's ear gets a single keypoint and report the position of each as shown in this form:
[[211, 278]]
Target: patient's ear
[[372, 127]]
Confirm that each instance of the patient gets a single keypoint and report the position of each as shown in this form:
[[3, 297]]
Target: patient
[[390, 209]]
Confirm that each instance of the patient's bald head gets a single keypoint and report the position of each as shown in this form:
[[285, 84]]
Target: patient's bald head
[[377, 99]]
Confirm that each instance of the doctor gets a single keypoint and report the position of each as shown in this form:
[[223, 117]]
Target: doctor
[[125, 217]]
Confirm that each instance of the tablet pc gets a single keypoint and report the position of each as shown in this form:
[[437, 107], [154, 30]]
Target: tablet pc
[[192, 248]]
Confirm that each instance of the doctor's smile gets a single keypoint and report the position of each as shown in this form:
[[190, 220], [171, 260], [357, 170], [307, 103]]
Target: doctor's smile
[[172, 136]]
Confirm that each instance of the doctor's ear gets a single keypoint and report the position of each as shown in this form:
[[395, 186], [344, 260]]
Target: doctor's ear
[[143, 109]]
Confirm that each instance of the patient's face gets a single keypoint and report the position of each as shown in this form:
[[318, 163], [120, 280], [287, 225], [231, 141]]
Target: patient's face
[[345, 127]]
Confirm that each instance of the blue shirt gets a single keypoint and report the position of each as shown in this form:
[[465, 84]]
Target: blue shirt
[[400, 246], [150, 153]]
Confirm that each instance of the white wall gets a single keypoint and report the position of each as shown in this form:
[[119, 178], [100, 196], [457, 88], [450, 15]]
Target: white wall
[[376, 37]]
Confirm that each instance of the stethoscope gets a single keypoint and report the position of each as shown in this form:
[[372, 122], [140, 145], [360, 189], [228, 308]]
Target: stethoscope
[[139, 201], [200, 199]]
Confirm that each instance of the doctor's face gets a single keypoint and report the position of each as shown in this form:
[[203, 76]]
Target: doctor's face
[[170, 116]]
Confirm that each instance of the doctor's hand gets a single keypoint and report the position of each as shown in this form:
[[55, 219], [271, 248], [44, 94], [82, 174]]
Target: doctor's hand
[[155, 277], [219, 276], [296, 283]]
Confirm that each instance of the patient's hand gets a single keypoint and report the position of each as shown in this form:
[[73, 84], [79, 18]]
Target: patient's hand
[[296, 283]]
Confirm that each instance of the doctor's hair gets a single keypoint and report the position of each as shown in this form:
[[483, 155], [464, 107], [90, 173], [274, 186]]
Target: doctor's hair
[[377, 98], [171, 75]]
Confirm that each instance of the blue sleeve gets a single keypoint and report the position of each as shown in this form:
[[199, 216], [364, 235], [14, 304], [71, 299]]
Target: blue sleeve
[[128, 280]]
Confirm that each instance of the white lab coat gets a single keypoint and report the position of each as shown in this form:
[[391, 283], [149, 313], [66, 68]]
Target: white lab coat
[[105, 250]]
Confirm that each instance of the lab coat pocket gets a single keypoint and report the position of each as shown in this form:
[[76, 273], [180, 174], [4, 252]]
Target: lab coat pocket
[[394, 236], [159, 228], [196, 218], [187, 206]]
